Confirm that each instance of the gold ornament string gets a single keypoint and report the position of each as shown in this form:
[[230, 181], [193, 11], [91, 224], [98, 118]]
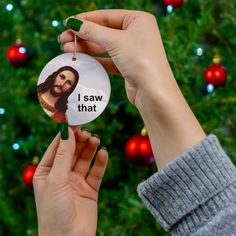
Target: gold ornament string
[[75, 45]]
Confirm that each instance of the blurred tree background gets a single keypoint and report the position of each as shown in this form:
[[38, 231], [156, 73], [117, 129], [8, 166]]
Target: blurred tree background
[[193, 34]]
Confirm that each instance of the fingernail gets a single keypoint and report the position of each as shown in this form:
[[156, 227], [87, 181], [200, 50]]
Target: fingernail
[[85, 129], [61, 46], [64, 131], [95, 135], [58, 39], [74, 24], [104, 148]]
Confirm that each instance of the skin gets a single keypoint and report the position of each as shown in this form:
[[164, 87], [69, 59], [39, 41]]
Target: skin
[[149, 82], [62, 83], [66, 194]]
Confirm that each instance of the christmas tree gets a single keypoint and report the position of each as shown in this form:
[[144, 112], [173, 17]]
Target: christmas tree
[[196, 35]]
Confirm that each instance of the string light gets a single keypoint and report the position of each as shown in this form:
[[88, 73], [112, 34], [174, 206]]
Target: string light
[[22, 50], [55, 23], [210, 88], [9, 7], [169, 8], [2, 111], [16, 146], [199, 52]]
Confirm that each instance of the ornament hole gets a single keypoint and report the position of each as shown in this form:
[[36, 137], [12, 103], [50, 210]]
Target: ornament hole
[[73, 58]]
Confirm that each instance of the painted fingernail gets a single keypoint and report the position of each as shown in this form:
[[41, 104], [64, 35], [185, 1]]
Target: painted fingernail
[[85, 129], [64, 22], [95, 135], [74, 24], [61, 46], [58, 39], [64, 131]]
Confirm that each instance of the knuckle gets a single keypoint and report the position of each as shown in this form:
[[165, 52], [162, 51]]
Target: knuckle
[[105, 22], [35, 178], [149, 16], [152, 17], [87, 29], [137, 12], [60, 151]]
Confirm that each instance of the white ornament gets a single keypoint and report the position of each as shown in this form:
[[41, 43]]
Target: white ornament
[[76, 91]]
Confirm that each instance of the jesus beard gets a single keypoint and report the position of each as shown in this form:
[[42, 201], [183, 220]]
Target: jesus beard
[[54, 93]]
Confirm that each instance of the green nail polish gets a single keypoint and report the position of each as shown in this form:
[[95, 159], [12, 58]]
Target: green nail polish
[[85, 129], [64, 131], [95, 135], [64, 22], [61, 46], [58, 39], [104, 148], [74, 24]]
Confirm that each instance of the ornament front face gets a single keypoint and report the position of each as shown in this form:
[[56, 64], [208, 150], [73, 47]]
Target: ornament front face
[[73, 91]]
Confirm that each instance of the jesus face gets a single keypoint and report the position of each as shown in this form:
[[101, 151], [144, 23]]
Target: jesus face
[[62, 83]]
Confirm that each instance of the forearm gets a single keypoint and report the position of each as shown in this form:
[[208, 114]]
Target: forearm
[[170, 123]]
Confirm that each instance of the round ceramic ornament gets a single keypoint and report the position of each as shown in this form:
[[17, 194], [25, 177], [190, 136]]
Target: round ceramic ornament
[[73, 88]]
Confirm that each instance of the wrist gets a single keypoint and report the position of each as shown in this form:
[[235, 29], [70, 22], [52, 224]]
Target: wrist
[[49, 233], [171, 125], [155, 91], [155, 79]]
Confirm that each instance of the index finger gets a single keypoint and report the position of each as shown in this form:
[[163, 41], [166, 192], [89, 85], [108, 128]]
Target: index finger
[[112, 18], [49, 155]]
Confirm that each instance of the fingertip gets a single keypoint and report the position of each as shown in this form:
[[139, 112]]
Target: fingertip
[[64, 131], [104, 148], [75, 128], [58, 39], [64, 21], [71, 132], [66, 134], [82, 135], [103, 154], [66, 36], [94, 141]]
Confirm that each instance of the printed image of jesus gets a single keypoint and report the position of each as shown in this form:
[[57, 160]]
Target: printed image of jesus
[[53, 93]]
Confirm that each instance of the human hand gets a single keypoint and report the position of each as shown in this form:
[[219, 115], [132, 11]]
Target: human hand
[[66, 194], [131, 39], [133, 42]]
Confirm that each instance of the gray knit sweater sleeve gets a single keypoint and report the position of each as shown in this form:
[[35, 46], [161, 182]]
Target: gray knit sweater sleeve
[[196, 193]]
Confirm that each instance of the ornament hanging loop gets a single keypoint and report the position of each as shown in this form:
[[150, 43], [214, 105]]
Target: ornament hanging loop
[[75, 45]]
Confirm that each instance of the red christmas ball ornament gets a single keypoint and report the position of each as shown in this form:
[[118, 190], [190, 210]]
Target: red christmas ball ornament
[[28, 175], [138, 150], [174, 3], [18, 55], [215, 75]]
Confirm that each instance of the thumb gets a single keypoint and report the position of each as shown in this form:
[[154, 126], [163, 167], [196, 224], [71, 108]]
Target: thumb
[[93, 32], [65, 152]]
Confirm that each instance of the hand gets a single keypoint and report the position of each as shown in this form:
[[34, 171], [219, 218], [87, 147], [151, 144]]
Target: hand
[[66, 194], [133, 42], [131, 39]]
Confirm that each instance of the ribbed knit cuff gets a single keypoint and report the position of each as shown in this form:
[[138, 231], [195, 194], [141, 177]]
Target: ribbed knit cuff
[[192, 188]]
